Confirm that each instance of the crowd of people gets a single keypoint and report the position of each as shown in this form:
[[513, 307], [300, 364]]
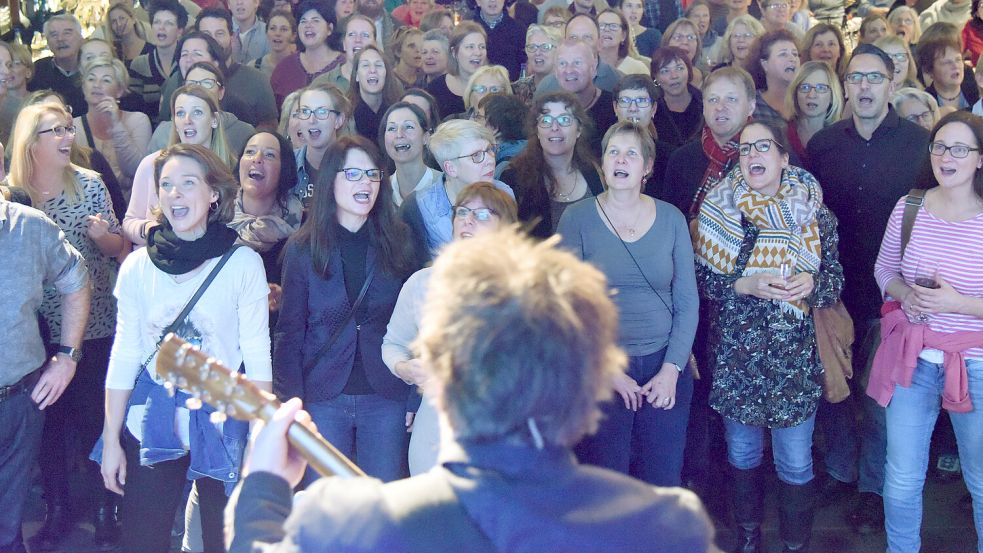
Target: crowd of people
[[785, 199]]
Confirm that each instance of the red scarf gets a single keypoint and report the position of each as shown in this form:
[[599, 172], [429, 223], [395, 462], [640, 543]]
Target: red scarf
[[721, 158]]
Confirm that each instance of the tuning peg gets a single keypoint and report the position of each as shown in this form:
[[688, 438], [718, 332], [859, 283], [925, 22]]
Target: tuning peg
[[217, 417], [193, 403], [169, 386]]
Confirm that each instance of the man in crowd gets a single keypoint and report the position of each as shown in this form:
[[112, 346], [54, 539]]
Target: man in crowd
[[248, 31], [506, 38], [576, 68], [34, 254], [60, 71], [865, 163], [584, 28], [517, 381]]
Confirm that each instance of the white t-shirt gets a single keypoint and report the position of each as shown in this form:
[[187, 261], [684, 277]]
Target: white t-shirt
[[230, 322]]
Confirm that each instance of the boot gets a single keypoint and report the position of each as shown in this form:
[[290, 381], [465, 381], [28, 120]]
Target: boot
[[748, 508], [106, 522], [796, 506], [57, 525]]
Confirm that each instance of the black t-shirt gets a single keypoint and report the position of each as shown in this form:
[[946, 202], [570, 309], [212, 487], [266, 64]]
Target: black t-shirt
[[354, 252]]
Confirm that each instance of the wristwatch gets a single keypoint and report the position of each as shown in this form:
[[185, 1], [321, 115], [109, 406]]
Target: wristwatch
[[74, 353]]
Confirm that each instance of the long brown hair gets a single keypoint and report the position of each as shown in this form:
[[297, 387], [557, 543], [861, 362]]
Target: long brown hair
[[392, 89], [387, 233]]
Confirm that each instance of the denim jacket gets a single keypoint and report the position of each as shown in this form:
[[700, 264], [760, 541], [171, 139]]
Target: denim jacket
[[437, 212], [304, 189]]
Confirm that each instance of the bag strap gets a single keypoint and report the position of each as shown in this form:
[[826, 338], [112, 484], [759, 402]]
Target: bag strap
[[912, 203], [89, 138], [337, 330], [191, 303]]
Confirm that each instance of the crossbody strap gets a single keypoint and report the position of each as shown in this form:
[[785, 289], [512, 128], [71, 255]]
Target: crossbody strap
[[337, 331], [191, 303], [912, 203]]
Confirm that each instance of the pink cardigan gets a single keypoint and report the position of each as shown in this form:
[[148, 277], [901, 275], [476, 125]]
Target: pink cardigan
[[901, 344]]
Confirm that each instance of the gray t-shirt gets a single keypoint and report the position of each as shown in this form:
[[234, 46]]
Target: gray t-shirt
[[665, 255]]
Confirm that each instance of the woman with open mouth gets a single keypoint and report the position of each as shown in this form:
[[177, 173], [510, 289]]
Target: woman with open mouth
[[373, 90], [636, 100], [557, 167], [873, 27], [354, 34], [317, 55], [824, 42], [342, 273], [151, 442], [643, 247], [197, 120], [487, 80], [735, 47], [646, 40], [699, 12], [814, 102], [679, 115], [541, 44], [773, 62], [148, 72], [281, 35], [405, 132], [905, 69], [904, 23], [77, 200], [405, 48], [615, 47], [435, 52], [467, 54], [767, 258], [953, 84]]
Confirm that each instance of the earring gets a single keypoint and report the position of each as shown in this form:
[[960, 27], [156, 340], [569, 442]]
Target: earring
[[213, 207], [214, 124]]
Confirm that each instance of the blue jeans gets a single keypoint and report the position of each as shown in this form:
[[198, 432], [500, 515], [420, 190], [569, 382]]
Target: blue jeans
[[911, 418], [20, 439], [791, 447], [368, 429], [648, 443]]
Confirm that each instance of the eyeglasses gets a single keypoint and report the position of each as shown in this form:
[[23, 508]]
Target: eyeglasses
[[321, 113], [680, 37], [481, 89], [764, 146], [919, 118], [899, 57], [478, 156], [806, 88], [355, 174], [642, 102], [204, 83], [532, 48], [777, 6], [745, 36], [609, 26], [874, 77], [958, 151], [546, 121], [482, 214], [62, 130]]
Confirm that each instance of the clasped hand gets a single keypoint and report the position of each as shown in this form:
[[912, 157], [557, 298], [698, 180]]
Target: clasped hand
[[773, 287], [944, 299], [659, 391]]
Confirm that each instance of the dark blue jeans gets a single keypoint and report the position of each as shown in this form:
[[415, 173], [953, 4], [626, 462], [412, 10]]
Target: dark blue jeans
[[20, 439], [649, 443], [368, 429]]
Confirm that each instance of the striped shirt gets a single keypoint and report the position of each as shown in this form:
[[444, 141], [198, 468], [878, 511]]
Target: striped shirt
[[955, 248]]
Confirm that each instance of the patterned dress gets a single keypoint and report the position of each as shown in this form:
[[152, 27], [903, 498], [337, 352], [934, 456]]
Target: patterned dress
[[765, 363], [71, 219]]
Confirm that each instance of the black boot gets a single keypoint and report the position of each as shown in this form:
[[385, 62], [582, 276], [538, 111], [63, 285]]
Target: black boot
[[106, 522], [57, 525], [796, 506], [748, 508]]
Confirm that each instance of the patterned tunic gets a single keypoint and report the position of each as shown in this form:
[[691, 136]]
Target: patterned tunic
[[71, 219], [764, 374]]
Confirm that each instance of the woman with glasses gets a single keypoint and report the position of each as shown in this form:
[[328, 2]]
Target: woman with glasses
[[342, 272], [480, 208], [940, 57], [931, 351], [905, 68], [766, 258], [541, 44], [643, 247], [773, 64], [735, 47], [636, 100], [557, 167], [813, 102], [776, 15], [679, 115], [404, 46], [405, 132], [322, 111], [615, 47], [197, 120], [684, 35], [374, 88], [490, 79], [917, 106], [467, 54], [903, 22], [646, 40], [121, 136], [317, 55]]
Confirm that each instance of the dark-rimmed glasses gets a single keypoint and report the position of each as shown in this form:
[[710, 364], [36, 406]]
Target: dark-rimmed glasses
[[354, 174], [482, 214], [764, 146], [958, 151], [321, 114], [61, 130], [478, 156]]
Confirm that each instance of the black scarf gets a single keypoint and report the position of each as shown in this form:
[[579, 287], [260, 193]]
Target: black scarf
[[175, 256]]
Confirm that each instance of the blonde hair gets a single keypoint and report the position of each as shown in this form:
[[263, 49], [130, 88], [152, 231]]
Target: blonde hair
[[897, 13], [445, 142], [911, 79], [120, 74], [219, 145], [753, 26], [22, 142], [497, 71], [288, 108], [836, 102], [909, 93]]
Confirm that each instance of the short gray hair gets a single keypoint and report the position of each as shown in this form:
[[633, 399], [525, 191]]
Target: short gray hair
[[65, 17], [445, 142]]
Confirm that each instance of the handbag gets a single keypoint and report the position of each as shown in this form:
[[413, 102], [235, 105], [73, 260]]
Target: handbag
[[834, 340]]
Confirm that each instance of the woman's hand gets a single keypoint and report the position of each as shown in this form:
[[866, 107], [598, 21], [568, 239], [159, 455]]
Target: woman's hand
[[410, 417], [799, 286], [97, 228], [113, 465], [661, 389], [629, 390], [110, 107], [944, 299], [762, 285], [412, 371], [276, 293]]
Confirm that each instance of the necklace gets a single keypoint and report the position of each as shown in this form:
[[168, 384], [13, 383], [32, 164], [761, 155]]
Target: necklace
[[630, 229], [947, 99], [566, 197]]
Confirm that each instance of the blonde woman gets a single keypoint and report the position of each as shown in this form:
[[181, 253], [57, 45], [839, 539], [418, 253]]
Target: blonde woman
[[905, 68], [685, 35], [490, 79], [541, 44], [121, 136], [736, 44], [196, 121], [904, 23], [127, 33], [615, 46], [813, 101], [290, 125]]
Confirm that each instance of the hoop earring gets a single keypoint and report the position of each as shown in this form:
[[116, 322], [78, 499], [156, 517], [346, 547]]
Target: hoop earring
[[213, 207]]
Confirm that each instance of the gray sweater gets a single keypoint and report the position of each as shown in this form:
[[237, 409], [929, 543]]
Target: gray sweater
[[665, 254]]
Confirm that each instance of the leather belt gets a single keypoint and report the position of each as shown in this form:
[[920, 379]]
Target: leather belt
[[25, 384]]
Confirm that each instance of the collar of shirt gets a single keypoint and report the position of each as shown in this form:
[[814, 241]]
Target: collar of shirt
[[891, 121], [492, 22]]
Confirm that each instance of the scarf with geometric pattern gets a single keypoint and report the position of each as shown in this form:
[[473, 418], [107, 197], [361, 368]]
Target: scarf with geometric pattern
[[786, 222]]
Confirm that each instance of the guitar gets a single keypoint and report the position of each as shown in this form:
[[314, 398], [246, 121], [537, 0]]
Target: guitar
[[232, 395]]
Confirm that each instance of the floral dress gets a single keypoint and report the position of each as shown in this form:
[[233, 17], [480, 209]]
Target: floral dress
[[765, 362]]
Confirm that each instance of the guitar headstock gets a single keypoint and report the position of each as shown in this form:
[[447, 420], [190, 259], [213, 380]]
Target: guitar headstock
[[207, 380]]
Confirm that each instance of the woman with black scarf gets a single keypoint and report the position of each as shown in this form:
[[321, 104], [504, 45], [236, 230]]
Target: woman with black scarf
[[151, 442]]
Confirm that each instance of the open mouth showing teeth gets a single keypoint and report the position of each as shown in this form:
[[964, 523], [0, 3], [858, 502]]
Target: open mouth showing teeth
[[402, 147], [756, 169], [475, 61], [314, 133], [179, 212], [372, 80], [466, 235], [621, 173], [361, 197], [65, 150], [555, 139], [947, 172], [256, 174], [189, 133]]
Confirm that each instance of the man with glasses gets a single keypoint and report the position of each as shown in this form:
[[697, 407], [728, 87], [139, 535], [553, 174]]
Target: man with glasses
[[60, 71], [465, 151], [505, 36], [864, 163]]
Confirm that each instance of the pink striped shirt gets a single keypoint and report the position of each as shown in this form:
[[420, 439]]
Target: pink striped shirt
[[957, 250]]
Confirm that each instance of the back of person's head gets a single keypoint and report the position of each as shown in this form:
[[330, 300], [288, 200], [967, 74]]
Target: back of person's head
[[521, 338], [506, 113]]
